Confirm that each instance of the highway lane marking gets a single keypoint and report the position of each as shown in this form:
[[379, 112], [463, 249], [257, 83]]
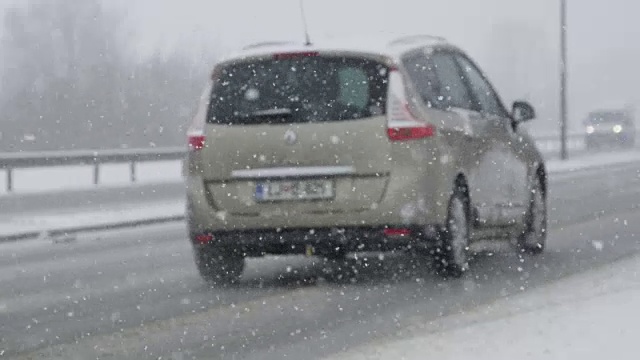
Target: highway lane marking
[[100, 240], [136, 280], [196, 327], [37, 259], [75, 294]]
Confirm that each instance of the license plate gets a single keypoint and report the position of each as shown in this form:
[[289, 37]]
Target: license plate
[[295, 190]]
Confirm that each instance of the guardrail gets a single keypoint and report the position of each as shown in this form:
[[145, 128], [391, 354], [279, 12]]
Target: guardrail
[[11, 161]]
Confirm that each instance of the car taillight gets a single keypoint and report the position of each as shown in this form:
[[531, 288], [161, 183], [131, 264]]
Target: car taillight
[[203, 239], [411, 133], [402, 124], [196, 142], [195, 133], [393, 232]]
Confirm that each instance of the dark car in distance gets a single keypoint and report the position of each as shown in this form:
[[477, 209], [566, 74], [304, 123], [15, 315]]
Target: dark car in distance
[[608, 129]]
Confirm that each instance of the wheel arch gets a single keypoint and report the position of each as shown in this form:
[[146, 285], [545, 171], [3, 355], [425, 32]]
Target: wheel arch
[[541, 174], [461, 183]]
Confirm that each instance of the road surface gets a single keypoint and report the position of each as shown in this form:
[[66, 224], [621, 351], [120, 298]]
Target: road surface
[[136, 293]]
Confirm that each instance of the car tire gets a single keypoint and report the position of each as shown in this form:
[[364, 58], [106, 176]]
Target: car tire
[[451, 256], [219, 267], [534, 238]]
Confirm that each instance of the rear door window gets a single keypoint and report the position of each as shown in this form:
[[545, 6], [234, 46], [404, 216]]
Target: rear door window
[[487, 99], [452, 90], [354, 87], [299, 90], [422, 76]]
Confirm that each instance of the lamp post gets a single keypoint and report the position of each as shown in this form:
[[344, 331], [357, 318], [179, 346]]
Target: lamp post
[[563, 80]]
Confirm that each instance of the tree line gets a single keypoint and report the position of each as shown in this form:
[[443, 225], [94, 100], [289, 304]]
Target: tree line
[[69, 82]]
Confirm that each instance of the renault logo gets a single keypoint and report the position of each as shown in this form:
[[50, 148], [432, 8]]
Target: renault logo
[[290, 137]]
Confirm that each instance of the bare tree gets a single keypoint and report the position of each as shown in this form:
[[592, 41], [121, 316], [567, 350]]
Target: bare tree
[[71, 85]]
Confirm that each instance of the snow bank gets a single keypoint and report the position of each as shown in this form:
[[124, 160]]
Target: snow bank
[[82, 218], [593, 315], [593, 161], [81, 177]]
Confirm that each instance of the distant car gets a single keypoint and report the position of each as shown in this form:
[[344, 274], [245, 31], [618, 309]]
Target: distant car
[[345, 147], [607, 129]]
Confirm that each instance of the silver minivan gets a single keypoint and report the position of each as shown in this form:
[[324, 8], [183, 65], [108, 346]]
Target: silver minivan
[[356, 146]]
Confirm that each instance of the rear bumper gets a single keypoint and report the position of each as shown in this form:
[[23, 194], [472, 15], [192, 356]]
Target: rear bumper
[[315, 241], [412, 202]]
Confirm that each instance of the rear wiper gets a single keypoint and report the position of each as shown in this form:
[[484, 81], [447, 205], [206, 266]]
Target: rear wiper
[[268, 116], [284, 112]]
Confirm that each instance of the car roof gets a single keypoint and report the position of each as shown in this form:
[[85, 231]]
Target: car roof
[[608, 112], [385, 46]]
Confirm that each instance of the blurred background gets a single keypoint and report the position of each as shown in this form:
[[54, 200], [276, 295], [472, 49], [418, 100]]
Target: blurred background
[[96, 74]]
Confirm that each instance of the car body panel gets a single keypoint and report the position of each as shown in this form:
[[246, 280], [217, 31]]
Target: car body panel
[[377, 182], [316, 146]]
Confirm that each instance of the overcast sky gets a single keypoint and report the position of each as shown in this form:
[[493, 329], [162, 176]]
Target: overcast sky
[[242, 21], [602, 35], [606, 23]]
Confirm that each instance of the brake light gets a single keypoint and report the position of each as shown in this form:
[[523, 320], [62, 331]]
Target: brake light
[[203, 239], [195, 133], [197, 142], [392, 232], [402, 124], [411, 133], [295, 55]]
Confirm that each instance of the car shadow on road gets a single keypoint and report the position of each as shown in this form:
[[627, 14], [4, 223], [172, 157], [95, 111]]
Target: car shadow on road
[[377, 269]]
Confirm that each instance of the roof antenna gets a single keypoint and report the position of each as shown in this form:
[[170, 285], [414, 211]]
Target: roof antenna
[[307, 38]]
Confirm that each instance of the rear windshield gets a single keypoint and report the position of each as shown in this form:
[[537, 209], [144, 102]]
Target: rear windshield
[[299, 90], [608, 117]]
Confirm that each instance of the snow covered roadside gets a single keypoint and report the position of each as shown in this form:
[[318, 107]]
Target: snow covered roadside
[[593, 161], [31, 225], [592, 315], [147, 210], [74, 178]]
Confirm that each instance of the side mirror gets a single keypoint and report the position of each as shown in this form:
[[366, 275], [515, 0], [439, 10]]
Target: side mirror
[[522, 111]]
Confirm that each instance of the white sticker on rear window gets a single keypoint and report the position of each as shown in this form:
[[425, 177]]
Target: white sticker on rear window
[[252, 94]]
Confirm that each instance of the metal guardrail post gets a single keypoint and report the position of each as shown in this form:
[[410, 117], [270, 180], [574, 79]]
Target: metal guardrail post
[[88, 158], [96, 173], [132, 171], [564, 154], [9, 179]]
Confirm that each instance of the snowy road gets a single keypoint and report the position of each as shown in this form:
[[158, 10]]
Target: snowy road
[[592, 315], [94, 293]]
